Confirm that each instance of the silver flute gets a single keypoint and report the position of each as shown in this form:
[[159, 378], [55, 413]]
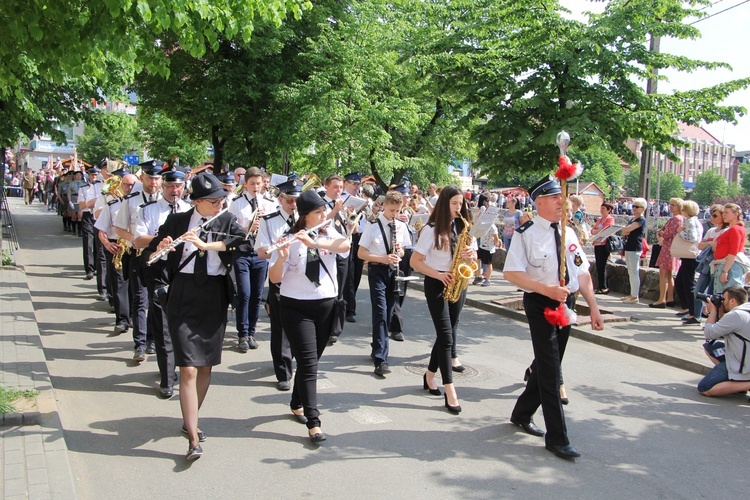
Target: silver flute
[[294, 238], [164, 251]]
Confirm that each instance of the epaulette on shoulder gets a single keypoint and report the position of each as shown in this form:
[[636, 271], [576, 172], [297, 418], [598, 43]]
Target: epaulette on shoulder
[[96, 182], [131, 195], [83, 185], [431, 224], [147, 204], [271, 215], [525, 226], [113, 201], [236, 197]]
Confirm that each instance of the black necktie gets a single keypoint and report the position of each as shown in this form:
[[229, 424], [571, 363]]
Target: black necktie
[[558, 242], [312, 269], [290, 220], [200, 271], [173, 207], [253, 204]]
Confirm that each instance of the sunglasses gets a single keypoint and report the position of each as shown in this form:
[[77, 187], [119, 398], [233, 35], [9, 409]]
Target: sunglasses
[[214, 203]]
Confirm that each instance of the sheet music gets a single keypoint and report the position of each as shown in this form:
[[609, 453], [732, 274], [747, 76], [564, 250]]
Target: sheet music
[[484, 221], [277, 179], [356, 203], [418, 221], [604, 234]]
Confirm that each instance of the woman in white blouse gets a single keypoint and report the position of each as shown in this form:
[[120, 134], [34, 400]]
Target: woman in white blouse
[[433, 257], [307, 271]]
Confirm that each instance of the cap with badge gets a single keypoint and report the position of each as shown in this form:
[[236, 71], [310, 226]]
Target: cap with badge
[[206, 185], [93, 170], [226, 178], [151, 168], [401, 188], [290, 188], [308, 201], [172, 174], [353, 177], [121, 172], [547, 186]]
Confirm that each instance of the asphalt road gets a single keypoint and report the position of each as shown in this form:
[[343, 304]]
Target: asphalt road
[[643, 430]]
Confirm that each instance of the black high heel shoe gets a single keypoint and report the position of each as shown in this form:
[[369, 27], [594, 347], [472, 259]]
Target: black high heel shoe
[[434, 392], [527, 374], [452, 409]]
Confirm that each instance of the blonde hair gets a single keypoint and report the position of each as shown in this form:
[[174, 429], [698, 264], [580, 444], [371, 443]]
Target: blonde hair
[[737, 210], [640, 202], [576, 200], [677, 201], [690, 208]]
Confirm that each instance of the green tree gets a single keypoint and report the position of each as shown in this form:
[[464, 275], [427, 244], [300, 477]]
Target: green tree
[[109, 135], [528, 72], [630, 185], [596, 158], [166, 140], [55, 56], [745, 178], [670, 186], [709, 186], [734, 189]]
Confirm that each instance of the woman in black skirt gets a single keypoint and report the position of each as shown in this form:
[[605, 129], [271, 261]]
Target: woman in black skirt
[[199, 294], [306, 269], [433, 256]]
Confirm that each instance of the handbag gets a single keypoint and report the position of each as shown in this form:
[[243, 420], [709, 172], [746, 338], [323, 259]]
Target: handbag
[[683, 248], [615, 243]]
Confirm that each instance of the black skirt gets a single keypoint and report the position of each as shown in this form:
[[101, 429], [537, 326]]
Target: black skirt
[[197, 317]]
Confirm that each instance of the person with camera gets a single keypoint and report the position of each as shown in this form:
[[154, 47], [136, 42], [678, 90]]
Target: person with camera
[[728, 318]]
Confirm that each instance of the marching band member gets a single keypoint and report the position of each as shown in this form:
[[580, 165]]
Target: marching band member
[[228, 183], [396, 326], [272, 227], [307, 272], [433, 257], [117, 280], [86, 199], [334, 198], [532, 264], [150, 217], [249, 269], [199, 294], [132, 262], [382, 247]]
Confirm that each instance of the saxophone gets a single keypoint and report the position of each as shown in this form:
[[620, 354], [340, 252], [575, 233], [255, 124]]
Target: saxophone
[[117, 259], [462, 272]]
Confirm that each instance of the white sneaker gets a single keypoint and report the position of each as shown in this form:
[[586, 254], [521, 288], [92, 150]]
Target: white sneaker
[[631, 300]]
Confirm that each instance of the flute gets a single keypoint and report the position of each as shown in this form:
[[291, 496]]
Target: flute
[[294, 238], [160, 253]]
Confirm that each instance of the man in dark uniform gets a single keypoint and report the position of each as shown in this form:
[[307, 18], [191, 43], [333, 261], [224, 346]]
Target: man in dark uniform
[[533, 264], [150, 217], [143, 340], [86, 199], [272, 227], [352, 183]]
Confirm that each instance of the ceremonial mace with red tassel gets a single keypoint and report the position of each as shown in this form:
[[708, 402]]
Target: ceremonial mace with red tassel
[[566, 171]]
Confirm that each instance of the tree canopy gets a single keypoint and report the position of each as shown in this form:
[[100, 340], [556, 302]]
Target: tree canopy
[[109, 135], [709, 186]]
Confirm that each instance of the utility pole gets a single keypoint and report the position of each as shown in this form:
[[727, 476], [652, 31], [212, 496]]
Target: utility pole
[[644, 182]]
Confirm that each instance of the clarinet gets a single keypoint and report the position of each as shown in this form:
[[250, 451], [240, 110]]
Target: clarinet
[[394, 267]]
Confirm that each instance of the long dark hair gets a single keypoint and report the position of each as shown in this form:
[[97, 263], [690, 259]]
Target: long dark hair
[[441, 216]]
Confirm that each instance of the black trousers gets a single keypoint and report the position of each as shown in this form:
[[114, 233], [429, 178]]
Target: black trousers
[[445, 318], [138, 302], [89, 241], [543, 386], [601, 255], [158, 327], [307, 324], [342, 269], [100, 266], [353, 277], [684, 284], [117, 282], [281, 351], [397, 320]]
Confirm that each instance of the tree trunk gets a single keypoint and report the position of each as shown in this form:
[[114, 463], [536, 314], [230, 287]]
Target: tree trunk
[[218, 145]]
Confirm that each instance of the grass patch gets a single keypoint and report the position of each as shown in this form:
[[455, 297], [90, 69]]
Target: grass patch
[[8, 396]]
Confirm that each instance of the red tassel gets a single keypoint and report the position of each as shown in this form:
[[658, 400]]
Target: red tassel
[[566, 168], [557, 317]]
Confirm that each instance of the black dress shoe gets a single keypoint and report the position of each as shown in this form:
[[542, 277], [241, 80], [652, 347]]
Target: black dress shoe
[[458, 368], [351, 318], [563, 451], [658, 305], [452, 409], [317, 437], [529, 428], [382, 369], [397, 336], [166, 392], [434, 392], [201, 435], [670, 303], [301, 418], [284, 385], [194, 453]]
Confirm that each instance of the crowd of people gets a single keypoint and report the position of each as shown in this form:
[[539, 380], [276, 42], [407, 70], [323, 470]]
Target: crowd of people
[[173, 248]]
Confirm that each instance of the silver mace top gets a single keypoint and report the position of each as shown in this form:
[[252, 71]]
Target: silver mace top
[[563, 142]]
